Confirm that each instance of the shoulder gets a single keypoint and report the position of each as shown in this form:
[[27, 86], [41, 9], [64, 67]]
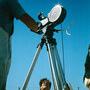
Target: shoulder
[[12, 1]]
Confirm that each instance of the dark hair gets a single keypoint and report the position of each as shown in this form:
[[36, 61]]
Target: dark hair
[[43, 80]]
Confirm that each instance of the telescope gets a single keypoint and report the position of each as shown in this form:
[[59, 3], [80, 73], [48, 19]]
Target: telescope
[[55, 16]]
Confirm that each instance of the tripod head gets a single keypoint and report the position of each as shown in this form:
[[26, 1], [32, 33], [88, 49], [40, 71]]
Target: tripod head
[[55, 17]]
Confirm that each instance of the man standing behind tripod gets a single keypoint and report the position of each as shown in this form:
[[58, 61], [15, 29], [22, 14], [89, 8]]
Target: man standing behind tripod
[[10, 9]]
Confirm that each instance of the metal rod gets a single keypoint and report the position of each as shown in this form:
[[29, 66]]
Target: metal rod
[[59, 67], [31, 68], [52, 71], [53, 66]]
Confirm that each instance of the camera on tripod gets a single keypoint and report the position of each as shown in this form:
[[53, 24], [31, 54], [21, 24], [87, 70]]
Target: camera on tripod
[[55, 16]]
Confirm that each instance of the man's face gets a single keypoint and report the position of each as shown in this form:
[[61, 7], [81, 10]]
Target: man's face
[[45, 86]]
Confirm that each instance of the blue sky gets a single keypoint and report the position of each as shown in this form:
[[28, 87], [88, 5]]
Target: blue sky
[[24, 44]]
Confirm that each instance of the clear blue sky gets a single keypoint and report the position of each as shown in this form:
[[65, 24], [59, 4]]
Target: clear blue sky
[[24, 44]]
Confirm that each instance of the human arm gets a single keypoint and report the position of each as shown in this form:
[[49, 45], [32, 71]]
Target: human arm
[[19, 13], [30, 22]]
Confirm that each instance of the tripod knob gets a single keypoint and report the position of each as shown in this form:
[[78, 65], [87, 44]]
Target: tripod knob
[[41, 16]]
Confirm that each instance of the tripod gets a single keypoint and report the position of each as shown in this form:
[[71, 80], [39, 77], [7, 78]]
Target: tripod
[[58, 76]]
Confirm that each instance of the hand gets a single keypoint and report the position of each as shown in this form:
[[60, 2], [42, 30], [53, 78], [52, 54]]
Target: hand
[[39, 31], [87, 82]]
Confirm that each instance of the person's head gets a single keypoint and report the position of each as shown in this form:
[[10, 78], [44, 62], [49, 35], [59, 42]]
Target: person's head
[[45, 84]]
